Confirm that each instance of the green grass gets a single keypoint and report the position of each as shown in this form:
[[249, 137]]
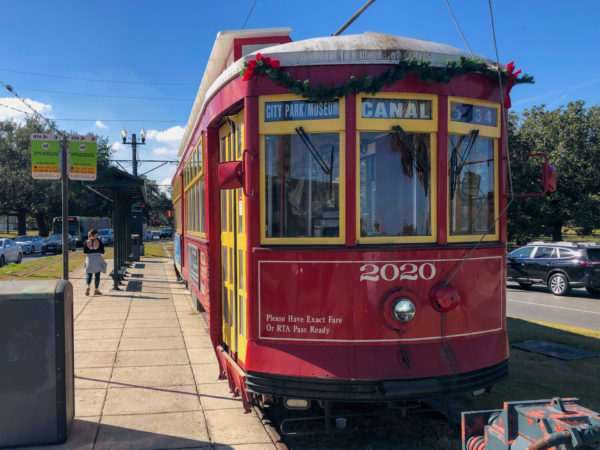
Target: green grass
[[13, 234], [14, 269], [157, 249], [52, 271], [534, 376]]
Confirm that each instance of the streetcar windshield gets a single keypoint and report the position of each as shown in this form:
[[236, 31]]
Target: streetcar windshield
[[395, 184], [302, 185], [471, 184]]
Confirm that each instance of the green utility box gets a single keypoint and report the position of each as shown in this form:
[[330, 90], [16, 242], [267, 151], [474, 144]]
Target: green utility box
[[36, 362]]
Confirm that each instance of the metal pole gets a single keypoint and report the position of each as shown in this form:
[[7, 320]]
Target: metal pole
[[353, 18], [65, 206], [134, 155], [116, 241]]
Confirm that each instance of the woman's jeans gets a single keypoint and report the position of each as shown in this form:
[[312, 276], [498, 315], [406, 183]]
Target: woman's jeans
[[88, 279]]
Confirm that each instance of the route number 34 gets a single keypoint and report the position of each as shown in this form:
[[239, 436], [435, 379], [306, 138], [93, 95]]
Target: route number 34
[[391, 272]]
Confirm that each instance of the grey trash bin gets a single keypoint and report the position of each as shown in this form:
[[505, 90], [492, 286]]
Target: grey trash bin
[[135, 247], [36, 362]]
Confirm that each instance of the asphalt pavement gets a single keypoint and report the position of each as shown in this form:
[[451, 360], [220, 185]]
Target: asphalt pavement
[[578, 309]]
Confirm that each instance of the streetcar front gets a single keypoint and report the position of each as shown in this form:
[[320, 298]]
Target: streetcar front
[[371, 281]]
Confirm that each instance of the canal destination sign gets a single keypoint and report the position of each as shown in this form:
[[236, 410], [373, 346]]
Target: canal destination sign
[[45, 156], [396, 108]]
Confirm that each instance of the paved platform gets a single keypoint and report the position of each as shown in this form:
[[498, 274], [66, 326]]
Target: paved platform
[[146, 375]]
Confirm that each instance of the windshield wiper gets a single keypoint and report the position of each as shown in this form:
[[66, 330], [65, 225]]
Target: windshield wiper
[[326, 168], [455, 166]]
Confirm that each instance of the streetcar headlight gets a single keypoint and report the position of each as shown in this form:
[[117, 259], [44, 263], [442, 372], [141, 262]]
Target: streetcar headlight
[[403, 310]]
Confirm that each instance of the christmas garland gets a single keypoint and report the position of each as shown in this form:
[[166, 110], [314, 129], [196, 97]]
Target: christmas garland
[[372, 85]]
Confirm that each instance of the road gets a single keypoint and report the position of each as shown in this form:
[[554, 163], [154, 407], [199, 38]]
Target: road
[[577, 309]]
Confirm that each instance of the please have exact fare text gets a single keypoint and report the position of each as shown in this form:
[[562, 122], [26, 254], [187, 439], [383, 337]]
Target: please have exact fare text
[[301, 324]]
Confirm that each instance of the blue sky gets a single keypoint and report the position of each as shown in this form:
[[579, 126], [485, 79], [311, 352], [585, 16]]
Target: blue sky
[[158, 50]]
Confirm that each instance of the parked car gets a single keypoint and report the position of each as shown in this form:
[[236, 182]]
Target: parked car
[[150, 235], [53, 244], [30, 243], [166, 233], [10, 252], [106, 236], [559, 265]]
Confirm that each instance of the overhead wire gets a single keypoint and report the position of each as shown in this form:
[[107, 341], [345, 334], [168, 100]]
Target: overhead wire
[[12, 90], [97, 80], [123, 120], [505, 126], [458, 27], [36, 113], [105, 96], [251, 9], [14, 109], [502, 113]]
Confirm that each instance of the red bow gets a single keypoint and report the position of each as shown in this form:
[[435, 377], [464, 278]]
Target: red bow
[[510, 82], [252, 65]]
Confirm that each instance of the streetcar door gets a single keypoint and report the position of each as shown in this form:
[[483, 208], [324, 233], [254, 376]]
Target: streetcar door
[[233, 244]]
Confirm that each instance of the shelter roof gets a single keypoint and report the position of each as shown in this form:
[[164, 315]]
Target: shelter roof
[[113, 180]]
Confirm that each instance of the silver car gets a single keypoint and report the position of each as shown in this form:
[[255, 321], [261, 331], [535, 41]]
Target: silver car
[[10, 252], [30, 243]]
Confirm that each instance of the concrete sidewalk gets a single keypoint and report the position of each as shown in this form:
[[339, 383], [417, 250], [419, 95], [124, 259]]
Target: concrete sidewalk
[[146, 375]]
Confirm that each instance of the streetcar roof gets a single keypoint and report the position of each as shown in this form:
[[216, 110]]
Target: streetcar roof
[[366, 48], [221, 57]]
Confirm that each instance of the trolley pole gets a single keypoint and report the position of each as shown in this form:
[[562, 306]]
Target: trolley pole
[[353, 18], [64, 151]]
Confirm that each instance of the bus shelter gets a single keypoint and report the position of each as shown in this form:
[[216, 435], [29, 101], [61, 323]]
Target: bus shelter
[[123, 190]]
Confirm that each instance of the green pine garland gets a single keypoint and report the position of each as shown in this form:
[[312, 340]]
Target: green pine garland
[[372, 85]]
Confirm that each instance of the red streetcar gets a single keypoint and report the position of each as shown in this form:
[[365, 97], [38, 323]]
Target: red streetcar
[[344, 234]]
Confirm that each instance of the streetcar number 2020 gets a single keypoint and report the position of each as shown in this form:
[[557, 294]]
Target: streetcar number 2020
[[392, 272]]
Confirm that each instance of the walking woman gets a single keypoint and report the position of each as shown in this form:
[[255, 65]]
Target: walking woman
[[94, 263]]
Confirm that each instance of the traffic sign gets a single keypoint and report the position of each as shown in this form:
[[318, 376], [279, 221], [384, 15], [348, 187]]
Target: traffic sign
[[83, 157], [45, 156]]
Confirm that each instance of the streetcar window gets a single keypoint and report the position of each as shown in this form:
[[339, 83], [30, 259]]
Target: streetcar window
[[471, 184], [302, 185], [203, 219], [395, 184], [240, 137]]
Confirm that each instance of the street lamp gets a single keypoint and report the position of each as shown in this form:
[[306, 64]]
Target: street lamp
[[134, 143]]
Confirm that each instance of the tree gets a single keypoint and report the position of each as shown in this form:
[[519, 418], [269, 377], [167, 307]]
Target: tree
[[18, 190], [157, 203], [570, 137], [22, 195]]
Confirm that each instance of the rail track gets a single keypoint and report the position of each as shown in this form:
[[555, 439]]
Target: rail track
[[36, 269], [406, 425]]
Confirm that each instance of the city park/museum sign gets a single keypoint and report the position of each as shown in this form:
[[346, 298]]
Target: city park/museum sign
[[46, 153]]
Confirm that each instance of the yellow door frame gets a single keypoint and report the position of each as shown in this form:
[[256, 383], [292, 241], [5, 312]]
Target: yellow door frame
[[233, 244]]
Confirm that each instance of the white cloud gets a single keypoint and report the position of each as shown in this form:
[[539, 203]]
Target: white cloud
[[15, 106], [118, 146], [165, 151], [171, 136], [99, 124]]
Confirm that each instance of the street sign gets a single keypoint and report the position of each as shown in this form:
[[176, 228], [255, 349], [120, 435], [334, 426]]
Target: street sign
[[45, 154], [83, 157]]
